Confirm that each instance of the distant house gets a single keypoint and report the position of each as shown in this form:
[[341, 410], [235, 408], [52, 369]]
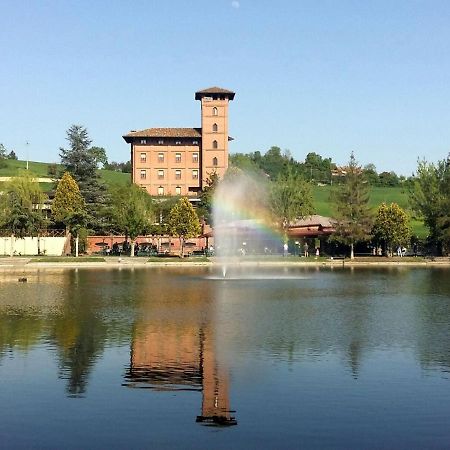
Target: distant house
[[312, 226]]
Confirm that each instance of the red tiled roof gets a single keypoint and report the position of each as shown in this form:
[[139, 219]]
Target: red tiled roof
[[164, 132], [214, 90]]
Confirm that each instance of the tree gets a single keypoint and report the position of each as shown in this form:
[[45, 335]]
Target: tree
[[429, 196], [371, 175], [353, 216], [12, 155], [273, 162], [2, 156], [133, 212], [21, 207], [183, 222], [69, 207], [99, 154], [205, 205], [391, 227], [82, 165], [290, 199]]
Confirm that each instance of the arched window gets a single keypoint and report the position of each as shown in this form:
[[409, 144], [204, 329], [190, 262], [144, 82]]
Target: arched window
[[214, 144], [215, 127], [215, 112], [215, 161]]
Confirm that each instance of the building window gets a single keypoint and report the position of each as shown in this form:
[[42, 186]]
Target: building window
[[160, 174], [195, 157], [194, 142], [143, 141], [160, 142], [178, 190], [143, 174], [215, 161], [214, 144], [160, 190], [178, 174], [143, 157], [177, 142], [177, 157], [215, 127], [160, 157], [215, 112], [195, 174]]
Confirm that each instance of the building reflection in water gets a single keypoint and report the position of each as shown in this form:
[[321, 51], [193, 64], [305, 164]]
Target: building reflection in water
[[174, 348]]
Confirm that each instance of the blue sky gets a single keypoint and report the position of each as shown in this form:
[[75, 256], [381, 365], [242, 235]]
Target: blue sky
[[326, 76]]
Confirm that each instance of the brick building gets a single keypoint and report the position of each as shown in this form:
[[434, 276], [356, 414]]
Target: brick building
[[178, 161]]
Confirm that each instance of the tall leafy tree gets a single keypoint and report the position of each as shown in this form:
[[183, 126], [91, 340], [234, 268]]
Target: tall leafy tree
[[99, 154], [429, 196], [69, 207], [391, 227], [290, 199], [351, 202], [205, 206], [183, 222], [81, 163], [21, 207], [133, 212]]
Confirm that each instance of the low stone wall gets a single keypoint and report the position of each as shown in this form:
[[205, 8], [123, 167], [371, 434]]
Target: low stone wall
[[28, 246]]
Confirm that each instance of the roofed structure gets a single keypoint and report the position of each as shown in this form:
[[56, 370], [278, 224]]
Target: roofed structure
[[164, 132], [214, 91]]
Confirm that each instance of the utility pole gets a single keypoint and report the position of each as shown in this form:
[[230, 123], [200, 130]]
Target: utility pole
[[27, 144]]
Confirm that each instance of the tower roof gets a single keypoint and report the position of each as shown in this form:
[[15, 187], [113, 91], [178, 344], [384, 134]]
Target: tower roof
[[214, 91]]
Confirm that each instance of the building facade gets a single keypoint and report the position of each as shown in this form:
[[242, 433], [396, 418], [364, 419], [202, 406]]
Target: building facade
[[178, 161]]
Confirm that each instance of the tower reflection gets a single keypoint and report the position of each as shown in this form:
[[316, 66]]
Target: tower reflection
[[174, 347]]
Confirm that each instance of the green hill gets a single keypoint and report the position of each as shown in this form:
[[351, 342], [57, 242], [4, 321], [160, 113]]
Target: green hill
[[41, 170]]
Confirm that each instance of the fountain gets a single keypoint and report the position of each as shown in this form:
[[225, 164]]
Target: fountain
[[242, 222]]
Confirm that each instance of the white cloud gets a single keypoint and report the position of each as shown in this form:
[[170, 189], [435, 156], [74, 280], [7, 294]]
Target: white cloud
[[235, 4]]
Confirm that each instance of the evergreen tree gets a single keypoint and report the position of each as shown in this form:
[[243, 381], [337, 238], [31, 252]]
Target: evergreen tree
[[80, 162], [69, 207], [68, 199], [391, 227], [351, 201], [183, 222]]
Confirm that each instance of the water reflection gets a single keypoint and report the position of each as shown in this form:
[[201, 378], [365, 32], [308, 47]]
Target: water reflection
[[348, 337], [174, 347]]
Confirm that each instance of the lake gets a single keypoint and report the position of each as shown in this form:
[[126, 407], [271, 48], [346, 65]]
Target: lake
[[180, 358]]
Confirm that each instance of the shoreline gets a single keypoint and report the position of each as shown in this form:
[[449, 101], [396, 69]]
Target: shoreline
[[24, 263]]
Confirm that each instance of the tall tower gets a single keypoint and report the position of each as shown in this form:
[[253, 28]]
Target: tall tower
[[214, 152]]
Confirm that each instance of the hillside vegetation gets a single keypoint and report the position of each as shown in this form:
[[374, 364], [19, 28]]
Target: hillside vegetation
[[321, 194]]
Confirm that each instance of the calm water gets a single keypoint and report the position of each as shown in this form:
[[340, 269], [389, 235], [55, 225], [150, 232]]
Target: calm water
[[298, 358]]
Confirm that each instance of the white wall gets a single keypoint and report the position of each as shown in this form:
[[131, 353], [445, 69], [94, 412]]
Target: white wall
[[52, 246]]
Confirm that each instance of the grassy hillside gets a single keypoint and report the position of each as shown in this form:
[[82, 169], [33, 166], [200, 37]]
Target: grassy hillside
[[40, 170], [378, 195]]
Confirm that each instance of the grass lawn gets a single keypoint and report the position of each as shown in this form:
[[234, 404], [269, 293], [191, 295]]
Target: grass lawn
[[68, 259]]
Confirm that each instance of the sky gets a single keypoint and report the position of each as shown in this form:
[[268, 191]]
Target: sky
[[322, 76]]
